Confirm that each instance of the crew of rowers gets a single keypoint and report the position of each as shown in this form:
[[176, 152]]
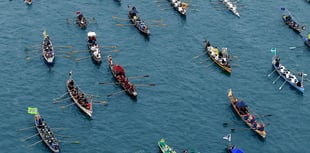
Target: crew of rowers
[[48, 48], [286, 73], [82, 100], [46, 132], [180, 5], [94, 47], [121, 78], [222, 57], [133, 14], [243, 111], [291, 22], [81, 20]]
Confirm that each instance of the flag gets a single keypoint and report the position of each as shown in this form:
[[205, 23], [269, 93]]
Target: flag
[[227, 137], [32, 110], [282, 8], [273, 50], [78, 12]]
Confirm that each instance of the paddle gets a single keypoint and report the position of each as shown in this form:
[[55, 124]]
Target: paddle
[[57, 101], [25, 139], [35, 143], [77, 59], [115, 93], [140, 85], [66, 105], [144, 76], [27, 128]]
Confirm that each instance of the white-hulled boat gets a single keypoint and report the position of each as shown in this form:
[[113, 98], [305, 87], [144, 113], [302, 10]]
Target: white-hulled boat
[[93, 47], [29, 2], [232, 7], [48, 51], [181, 7]]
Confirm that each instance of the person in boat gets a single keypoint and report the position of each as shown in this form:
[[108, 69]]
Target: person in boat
[[71, 84], [254, 124], [133, 12], [246, 117], [261, 127], [252, 119], [80, 16], [208, 44]]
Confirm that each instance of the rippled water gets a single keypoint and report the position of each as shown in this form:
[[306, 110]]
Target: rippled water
[[189, 103]]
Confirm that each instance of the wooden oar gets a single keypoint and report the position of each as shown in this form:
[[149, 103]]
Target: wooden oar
[[35, 143], [144, 76], [109, 51], [25, 139], [153, 20], [108, 82], [63, 46], [140, 85], [124, 24], [276, 79], [66, 105], [199, 55], [271, 73], [115, 93], [27, 128], [158, 24], [66, 56], [57, 101], [77, 59], [204, 61], [209, 64], [59, 128], [115, 17], [101, 102], [73, 142], [282, 85], [73, 52], [61, 96], [113, 46]]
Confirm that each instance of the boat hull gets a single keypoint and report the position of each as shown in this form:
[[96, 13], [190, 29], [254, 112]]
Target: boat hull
[[145, 31]]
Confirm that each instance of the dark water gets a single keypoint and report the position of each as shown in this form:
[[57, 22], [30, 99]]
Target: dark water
[[189, 103]]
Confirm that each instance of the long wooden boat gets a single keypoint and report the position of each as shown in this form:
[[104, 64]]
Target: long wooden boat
[[46, 134], [287, 75], [288, 20], [221, 58], [231, 6], [28, 2], [139, 24], [179, 6], [78, 97], [118, 73], [93, 47], [164, 147], [81, 20], [244, 113], [48, 51]]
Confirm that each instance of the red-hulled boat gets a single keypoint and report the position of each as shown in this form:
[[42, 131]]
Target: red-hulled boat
[[118, 73]]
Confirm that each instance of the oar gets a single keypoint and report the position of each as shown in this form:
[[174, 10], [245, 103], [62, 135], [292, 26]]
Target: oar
[[113, 46], [209, 64], [29, 58], [57, 101], [282, 85], [66, 105], [140, 85], [124, 24], [27, 128], [25, 139], [109, 51], [77, 59], [158, 24], [204, 61], [115, 17], [144, 76], [108, 82], [63, 46], [266, 115], [73, 52], [199, 55], [233, 129], [115, 93], [276, 79], [101, 102], [296, 47], [230, 123], [61, 96], [153, 20], [271, 73], [73, 142], [66, 56], [35, 143], [59, 128]]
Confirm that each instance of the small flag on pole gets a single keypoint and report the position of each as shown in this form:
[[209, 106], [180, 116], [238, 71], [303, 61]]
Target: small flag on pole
[[227, 137], [32, 110], [273, 51]]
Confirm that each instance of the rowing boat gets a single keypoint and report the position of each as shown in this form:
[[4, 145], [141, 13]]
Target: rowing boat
[[179, 6], [81, 20], [244, 113], [232, 7], [287, 75], [221, 58], [164, 147], [139, 24], [46, 134], [118, 73], [78, 97], [48, 51], [93, 47], [288, 20]]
